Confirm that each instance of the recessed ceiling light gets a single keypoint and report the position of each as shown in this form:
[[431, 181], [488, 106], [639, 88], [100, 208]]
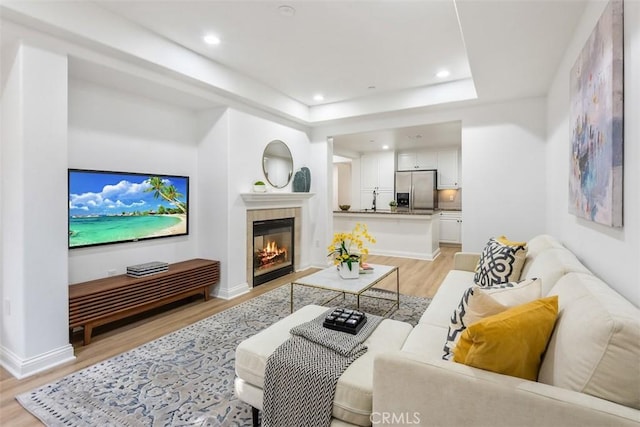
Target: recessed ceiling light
[[318, 97], [385, 147], [371, 87], [286, 10], [443, 73], [211, 39]]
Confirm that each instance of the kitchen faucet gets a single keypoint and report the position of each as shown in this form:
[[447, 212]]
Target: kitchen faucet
[[374, 199]]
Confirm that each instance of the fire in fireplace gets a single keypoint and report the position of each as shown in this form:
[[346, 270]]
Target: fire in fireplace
[[272, 249]]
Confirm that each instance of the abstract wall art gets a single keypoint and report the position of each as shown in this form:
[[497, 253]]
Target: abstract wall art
[[596, 121]]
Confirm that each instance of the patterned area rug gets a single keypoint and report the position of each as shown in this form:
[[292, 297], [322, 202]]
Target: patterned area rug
[[184, 378]]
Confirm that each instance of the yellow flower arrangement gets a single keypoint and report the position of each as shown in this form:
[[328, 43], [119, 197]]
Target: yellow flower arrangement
[[349, 247]]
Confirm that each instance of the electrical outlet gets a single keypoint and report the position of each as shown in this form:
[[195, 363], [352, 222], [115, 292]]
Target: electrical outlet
[[451, 198], [7, 307], [317, 243], [111, 272]]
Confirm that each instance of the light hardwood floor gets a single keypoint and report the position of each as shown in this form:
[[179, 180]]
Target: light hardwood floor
[[418, 278]]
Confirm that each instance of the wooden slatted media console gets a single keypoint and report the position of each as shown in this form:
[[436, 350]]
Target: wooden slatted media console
[[102, 301]]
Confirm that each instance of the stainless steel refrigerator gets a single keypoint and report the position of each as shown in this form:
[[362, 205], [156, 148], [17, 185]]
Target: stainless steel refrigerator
[[416, 190]]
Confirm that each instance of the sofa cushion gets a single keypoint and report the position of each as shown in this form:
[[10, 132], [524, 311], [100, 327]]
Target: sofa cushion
[[551, 264], [501, 261], [595, 348], [447, 298], [422, 341], [480, 302], [539, 243], [510, 342]]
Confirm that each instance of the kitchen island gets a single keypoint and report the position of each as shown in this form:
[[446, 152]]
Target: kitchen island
[[407, 234]]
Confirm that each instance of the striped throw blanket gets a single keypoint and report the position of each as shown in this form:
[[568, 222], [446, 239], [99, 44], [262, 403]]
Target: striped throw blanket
[[301, 375]]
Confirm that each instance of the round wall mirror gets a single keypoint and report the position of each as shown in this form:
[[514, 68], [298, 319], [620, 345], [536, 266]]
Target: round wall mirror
[[277, 163]]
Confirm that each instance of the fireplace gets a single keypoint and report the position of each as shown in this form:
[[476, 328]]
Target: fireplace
[[273, 249]]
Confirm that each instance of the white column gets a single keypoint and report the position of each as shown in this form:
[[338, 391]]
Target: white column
[[34, 264], [212, 195]]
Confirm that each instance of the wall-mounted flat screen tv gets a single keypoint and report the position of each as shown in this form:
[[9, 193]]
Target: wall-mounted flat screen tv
[[113, 207]]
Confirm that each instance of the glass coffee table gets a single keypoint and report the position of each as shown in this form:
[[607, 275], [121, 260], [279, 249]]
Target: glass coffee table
[[329, 279]]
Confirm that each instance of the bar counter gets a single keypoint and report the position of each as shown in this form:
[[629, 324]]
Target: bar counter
[[386, 212], [407, 234]]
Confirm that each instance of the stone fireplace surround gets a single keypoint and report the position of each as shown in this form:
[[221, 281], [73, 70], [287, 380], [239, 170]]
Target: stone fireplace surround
[[275, 213]]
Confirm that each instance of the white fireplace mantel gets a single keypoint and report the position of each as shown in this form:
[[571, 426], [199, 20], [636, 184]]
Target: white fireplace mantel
[[276, 197]]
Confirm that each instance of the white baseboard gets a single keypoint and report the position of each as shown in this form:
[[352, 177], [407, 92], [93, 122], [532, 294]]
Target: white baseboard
[[232, 293], [320, 266], [22, 368], [412, 255], [308, 266]]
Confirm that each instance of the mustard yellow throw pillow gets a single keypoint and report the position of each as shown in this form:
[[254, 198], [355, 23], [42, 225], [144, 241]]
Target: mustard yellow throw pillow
[[511, 342], [507, 242], [478, 303]]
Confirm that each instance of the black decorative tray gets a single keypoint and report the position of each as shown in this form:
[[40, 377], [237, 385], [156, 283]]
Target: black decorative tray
[[345, 320]]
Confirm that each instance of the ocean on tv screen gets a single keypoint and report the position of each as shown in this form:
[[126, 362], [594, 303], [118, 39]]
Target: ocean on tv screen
[[95, 230]]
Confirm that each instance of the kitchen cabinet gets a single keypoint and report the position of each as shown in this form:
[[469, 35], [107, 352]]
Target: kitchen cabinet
[[377, 171], [451, 227], [386, 171], [420, 159], [446, 160], [406, 161], [448, 170], [368, 171]]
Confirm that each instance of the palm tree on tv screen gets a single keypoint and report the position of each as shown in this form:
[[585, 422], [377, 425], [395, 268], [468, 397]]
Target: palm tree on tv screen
[[167, 192]]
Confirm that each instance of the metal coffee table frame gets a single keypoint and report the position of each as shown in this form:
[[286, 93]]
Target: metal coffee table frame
[[329, 279]]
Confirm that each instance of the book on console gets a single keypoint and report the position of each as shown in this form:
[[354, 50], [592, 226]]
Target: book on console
[[147, 269], [143, 274], [153, 265]]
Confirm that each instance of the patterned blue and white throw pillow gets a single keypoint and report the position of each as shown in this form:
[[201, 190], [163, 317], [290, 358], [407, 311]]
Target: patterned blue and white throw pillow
[[501, 261]]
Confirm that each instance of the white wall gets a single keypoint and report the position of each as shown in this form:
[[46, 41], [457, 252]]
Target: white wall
[[342, 185], [116, 131], [356, 184], [503, 174], [248, 135], [319, 216], [213, 191], [12, 242], [611, 253], [220, 150], [34, 262]]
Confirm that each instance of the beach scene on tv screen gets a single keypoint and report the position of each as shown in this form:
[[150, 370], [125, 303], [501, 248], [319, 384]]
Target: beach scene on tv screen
[[115, 207]]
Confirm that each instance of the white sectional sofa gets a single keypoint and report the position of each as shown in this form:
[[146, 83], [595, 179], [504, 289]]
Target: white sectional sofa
[[590, 374]]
